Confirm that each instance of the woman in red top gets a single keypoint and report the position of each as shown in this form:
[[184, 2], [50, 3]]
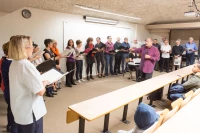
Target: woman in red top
[[89, 57]]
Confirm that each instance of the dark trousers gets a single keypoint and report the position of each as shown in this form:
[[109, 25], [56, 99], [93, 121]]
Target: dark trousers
[[10, 119], [100, 60], [35, 127], [118, 60], [79, 69], [89, 69], [146, 76], [165, 64], [109, 62], [190, 58], [69, 77]]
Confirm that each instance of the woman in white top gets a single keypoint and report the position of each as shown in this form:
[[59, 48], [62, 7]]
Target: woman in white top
[[38, 59], [26, 87], [166, 50]]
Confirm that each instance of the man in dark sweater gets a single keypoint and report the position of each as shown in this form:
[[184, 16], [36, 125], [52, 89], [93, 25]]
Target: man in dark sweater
[[155, 44], [118, 56], [177, 52]]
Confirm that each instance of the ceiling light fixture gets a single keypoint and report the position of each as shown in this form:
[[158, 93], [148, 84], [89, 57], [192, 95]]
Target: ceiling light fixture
[[100, 20], [110, 13]]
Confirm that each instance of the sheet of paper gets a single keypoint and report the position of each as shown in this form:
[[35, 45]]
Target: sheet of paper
[[177, 61], [52, 76], [66, 52], [39, 53]]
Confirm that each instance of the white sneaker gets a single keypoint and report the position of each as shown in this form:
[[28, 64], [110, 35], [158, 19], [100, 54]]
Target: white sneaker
[[82, 80], [78, 81]]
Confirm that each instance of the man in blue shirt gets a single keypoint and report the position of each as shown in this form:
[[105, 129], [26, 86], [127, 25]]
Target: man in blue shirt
[[126, 45], [191, 48]]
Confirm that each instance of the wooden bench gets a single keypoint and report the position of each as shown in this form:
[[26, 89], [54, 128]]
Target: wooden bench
[[102, 105], [185, 120]]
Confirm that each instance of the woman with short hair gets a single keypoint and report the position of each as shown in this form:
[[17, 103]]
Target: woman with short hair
[[26, 87]]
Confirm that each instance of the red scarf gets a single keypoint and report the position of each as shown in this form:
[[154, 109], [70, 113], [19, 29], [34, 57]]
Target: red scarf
[[90, 47]]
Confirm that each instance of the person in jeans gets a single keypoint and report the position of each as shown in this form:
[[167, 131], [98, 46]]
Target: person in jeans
[[158, 64], [70, 64], [79, 61], [177, 52], [149, 56], [89, 57], [126, 45], [109, 56], [166, 50], [191, 48], [4, 68], [26, 87], [100, 57], [118, 56], [144, 117]]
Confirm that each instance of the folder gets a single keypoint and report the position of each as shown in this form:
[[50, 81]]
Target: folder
[[103, 46], [46, 66], [112, 51], [66, 53], [53, 75]]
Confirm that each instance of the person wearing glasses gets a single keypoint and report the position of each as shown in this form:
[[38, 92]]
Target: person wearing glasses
[[26, 87], [149, 56], [109, 55]]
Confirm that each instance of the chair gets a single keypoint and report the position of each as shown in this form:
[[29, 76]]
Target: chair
[[170, 114], [185, 101], [196, 93], [178, 103]]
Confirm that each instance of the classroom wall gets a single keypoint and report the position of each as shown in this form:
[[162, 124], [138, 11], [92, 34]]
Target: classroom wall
[[184, 36], [48, 24]]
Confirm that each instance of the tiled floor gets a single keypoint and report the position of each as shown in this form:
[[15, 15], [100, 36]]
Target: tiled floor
[[55, 119]]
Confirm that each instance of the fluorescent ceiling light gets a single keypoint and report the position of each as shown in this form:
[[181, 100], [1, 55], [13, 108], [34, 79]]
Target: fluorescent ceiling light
[[99, 20], [95, 10]]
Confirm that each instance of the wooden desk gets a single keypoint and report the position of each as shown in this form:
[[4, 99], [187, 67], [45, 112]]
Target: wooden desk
[[102, 105], [186, 120]]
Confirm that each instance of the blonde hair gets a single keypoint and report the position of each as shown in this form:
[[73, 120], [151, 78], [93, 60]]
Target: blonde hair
[[5, 48], [17, 47]]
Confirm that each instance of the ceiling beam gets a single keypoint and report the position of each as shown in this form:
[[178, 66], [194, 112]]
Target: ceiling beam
[[192, 25]]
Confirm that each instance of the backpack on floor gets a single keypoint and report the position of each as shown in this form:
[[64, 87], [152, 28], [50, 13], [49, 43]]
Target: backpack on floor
[[176, 88]]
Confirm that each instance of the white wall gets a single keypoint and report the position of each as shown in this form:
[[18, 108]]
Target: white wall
[[48, 24]]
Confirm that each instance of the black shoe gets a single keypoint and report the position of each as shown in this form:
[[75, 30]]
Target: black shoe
[[68, 85], [91, 77], [112, 73], [120, 73], [8, 128], [49, 95], [100, 75], [88, 78], [115, 74], [74, 84], [103, 75]]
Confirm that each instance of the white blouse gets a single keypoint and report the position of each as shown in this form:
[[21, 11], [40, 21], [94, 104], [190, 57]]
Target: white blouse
[[25, 83]]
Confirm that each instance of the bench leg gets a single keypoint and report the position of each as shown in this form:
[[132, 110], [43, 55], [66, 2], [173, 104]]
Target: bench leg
[[177, 81], [187, 78], [125, 115], [182, 80], [169, 88], [81, 125], [140, 100], [106, 124]]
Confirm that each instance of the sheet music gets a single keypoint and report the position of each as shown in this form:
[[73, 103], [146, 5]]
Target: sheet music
[[177, 61], [52, 76], [67, 52], [135, 62], [38, 53]]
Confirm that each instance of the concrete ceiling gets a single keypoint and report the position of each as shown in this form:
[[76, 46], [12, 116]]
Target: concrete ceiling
[[150, 11]]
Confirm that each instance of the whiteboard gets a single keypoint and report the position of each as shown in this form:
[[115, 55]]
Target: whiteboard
[[81, 31]]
